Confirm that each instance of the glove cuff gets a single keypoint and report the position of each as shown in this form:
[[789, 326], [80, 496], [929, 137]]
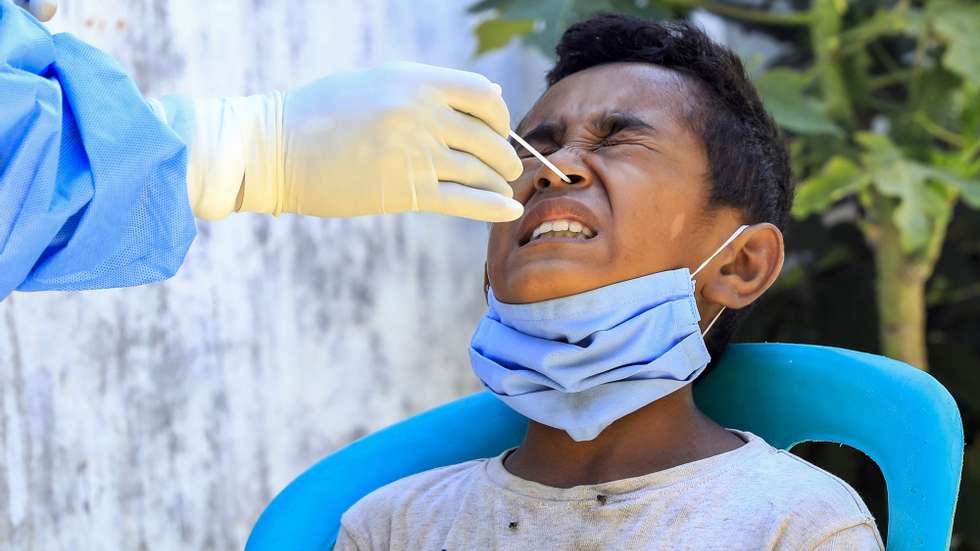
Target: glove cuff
[[234, 144], [261, 122], [215, 151]]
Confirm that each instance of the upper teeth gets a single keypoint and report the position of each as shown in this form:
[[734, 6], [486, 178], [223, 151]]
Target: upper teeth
[[562, 225]]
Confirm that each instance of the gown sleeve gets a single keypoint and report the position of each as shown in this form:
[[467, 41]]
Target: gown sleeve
[[93, 187]]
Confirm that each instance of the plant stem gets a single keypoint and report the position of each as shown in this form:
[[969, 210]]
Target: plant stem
[[937, 131], [900, 279], [886, 59], [901, 308], [900, 292], [825, 27], [918, 64], [892, 77], [746, 14]]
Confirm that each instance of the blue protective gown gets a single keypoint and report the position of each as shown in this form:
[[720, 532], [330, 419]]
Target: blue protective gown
[[92, 184]]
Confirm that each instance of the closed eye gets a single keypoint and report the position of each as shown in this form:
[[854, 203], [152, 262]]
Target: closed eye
[[543, 137], [525, 154], [622, 129], [623, 141]]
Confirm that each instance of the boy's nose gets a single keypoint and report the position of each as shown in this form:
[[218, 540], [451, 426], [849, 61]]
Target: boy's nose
[[567, 163]]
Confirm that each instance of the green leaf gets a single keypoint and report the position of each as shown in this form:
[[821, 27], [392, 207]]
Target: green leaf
[[912, 222], [487, 5], [497, 33], [884, 22], [959, 24], [837, 179], [968, 99], [935, 95], [922, 208], [879, 148], [969, 189], [643, 8], [899, 177], [783, 93], [838, 255], [956, 168], [925, 192], [551, 17]]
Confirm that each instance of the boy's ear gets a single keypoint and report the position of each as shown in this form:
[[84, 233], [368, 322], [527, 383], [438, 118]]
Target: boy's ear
[[751, 265]]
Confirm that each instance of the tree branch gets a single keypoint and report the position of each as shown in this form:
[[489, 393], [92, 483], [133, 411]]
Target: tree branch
[[893, 77], [746, 14], [937, 131]]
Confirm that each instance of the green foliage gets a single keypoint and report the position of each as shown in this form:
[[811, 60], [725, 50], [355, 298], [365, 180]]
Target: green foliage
[[542, 21], [863, 71], [785, 98], [880, 101], [839, 178], [924, 192], [497, 33], [959, 26]]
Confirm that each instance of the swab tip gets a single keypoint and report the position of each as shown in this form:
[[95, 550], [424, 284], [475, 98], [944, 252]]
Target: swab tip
[[540, 157]]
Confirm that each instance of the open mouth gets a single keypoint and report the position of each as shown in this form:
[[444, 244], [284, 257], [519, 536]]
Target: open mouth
[[562, 229]]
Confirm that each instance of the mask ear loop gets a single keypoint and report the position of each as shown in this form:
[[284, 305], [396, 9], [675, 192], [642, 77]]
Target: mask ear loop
[[486, 283], [727, 242]]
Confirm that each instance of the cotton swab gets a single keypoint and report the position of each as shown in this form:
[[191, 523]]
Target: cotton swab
[[540, 157]]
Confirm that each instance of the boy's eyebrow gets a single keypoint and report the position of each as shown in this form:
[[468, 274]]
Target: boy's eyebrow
[[610, 122], [550, 132]]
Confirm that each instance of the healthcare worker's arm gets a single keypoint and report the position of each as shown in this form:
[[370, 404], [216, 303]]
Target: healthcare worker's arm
[[400, 137], [92, 184], [94, 187]]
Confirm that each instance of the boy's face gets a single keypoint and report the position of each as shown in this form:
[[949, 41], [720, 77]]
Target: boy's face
[[639, 182]]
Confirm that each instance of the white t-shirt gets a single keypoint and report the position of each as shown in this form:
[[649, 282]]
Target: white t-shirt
[[751, 498]]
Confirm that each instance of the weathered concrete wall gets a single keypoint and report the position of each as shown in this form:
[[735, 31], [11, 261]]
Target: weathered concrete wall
[[167, 416]]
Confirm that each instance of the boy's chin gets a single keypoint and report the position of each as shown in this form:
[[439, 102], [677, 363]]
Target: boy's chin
[[539, 283]]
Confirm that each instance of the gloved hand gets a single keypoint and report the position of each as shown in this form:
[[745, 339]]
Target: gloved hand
[[43, 10], [400, 137]]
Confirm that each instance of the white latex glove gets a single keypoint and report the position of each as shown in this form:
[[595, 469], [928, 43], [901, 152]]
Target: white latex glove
[[397, 138], [43, 10]]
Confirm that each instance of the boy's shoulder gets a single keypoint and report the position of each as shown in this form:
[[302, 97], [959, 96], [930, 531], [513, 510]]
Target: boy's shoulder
[[803, 498], [801, 485]]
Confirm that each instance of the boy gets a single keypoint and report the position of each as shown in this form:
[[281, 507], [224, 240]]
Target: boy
[[595, 330]]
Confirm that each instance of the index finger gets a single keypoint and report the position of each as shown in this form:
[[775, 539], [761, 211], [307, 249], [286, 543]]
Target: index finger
[[474, 94]]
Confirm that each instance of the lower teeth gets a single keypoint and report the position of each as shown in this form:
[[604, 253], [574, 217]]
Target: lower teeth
[[562, 234]]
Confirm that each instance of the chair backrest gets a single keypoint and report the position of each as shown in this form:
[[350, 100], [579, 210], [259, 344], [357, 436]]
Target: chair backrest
[[899, 416]]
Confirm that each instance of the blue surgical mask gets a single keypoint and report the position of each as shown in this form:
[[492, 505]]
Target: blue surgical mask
[[579, 363]]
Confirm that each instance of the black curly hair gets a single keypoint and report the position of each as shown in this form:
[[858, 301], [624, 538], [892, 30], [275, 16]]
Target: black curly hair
[[748, 162]]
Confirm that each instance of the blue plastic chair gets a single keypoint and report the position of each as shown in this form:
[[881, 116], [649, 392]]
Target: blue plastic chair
[[898, 415]]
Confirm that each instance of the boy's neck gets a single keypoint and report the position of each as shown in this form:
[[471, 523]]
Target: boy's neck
[[668, 432]]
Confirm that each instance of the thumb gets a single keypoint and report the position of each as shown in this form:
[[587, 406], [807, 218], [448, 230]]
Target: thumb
[[476, 204], [43, 10]]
